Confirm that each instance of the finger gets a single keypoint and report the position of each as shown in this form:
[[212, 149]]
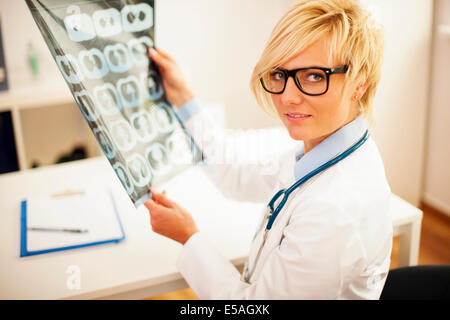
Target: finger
[[157, 209], [162, 199], [164, 54], [160, 60], [150, 204], [153, 208], [160, 56], [154, 214]]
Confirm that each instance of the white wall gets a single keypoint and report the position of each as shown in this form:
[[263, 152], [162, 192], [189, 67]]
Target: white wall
[[18, 29], [437, 170], [218, 43], [227, 37], [401, 104]]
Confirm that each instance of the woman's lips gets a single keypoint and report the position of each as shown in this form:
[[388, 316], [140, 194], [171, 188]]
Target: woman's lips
[[297, 117]]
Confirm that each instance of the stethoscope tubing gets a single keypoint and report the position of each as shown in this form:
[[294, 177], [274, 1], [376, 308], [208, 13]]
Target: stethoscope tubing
[[311, 174], [274, 213]]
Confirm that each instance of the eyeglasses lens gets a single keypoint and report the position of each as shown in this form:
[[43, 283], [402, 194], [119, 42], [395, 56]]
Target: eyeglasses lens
[[312, 81]]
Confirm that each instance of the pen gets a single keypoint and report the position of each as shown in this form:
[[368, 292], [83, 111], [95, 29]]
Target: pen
[[59, 230]]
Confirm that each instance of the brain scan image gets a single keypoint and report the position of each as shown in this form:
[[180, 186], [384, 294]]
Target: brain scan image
[[139, 169], [118, 58], [107, 99], [144, 126], [124, 177], [158, 159], [86, 105], [152, 84], [163, 117], [105, 142], [123, 135], [130, 92], [137, 17], [138, 50], [101, 50], [107, 22], [70, 69], [93, 63], [79, 27], [179, 148]]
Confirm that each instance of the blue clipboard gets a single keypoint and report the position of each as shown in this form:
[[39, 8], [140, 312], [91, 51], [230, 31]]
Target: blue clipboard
[[23, 234]]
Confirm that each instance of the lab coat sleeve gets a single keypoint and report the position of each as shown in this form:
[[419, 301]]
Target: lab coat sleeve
[[317, 253], [234, 160]]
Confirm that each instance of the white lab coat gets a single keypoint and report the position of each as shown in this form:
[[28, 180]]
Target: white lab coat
[[332, 240]]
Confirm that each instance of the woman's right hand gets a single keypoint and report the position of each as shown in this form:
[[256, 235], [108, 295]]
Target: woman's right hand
[[177, 90]]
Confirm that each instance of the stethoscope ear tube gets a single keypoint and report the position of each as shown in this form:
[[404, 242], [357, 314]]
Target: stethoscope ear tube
[[326, 165]]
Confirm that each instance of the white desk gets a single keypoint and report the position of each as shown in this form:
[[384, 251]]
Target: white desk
[[142, 265]]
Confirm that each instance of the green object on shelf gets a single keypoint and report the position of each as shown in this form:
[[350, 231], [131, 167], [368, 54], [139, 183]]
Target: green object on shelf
[[33, 60]]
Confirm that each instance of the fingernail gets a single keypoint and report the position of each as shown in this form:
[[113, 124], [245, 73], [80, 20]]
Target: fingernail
[[153, 51]]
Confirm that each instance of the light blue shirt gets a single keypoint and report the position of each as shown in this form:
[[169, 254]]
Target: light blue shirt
[[330, 147], [188, 109], [327, 149]]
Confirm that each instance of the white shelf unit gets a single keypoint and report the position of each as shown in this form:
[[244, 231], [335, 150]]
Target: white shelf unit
[[47, 123]]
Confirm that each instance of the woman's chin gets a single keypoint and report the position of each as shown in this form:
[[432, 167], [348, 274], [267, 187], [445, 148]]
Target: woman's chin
[[297, 133]]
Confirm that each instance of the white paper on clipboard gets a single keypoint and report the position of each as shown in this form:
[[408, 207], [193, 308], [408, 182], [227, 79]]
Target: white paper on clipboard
[[92, 210]]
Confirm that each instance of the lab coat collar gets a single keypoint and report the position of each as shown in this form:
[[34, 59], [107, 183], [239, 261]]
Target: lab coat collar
[[330, 147]]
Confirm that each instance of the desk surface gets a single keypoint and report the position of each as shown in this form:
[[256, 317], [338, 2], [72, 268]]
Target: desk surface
[[144, 259]]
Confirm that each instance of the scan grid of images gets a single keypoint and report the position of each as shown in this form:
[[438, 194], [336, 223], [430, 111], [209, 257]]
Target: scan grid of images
[[101, 49]]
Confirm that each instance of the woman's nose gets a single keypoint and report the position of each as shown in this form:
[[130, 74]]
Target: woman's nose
[[291, 94]]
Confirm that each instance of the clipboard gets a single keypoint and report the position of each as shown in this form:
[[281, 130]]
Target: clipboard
[[94, 210]]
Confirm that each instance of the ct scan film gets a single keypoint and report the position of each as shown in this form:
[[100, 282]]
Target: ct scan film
[[101, 49]]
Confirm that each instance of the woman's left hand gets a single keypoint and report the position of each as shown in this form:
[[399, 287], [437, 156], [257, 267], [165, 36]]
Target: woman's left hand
[[168, 219]]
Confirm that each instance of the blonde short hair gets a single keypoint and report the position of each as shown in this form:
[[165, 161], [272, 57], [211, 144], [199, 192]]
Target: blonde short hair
[[354, 38]]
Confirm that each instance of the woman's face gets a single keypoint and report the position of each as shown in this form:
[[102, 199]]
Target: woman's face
[[324, 115]]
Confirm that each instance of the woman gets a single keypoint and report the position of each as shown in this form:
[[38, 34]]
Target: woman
[[332, 236]]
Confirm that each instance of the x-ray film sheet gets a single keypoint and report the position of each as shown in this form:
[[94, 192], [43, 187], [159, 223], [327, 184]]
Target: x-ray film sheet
[[100, 48]]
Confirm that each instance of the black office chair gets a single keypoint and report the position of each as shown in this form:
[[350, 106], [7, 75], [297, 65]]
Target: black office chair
[[427, 282]]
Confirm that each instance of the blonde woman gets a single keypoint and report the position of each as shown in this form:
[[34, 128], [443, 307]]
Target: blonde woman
[[327, 233]]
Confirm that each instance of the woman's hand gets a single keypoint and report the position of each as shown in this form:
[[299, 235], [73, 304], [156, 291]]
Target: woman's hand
[[170, 220], [177, 90]]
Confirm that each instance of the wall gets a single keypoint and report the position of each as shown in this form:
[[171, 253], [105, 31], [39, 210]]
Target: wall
[[218, 43], [19, 29], [401, 104], [437, 170]]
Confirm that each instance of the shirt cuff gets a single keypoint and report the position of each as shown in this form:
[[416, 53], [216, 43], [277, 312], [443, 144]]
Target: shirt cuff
[[207, 272], [191, 242], [188, 109]]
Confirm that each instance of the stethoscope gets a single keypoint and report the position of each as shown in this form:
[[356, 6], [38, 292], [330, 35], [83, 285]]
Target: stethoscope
[[273, 213]]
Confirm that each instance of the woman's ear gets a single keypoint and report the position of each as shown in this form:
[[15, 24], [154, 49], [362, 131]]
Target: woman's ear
[[360, 90]]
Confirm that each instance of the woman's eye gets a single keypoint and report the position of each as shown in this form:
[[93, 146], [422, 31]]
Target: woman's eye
[[277, 75], [315, 77]]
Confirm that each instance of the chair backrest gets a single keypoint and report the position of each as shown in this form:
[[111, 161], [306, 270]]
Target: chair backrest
[[427, 282]]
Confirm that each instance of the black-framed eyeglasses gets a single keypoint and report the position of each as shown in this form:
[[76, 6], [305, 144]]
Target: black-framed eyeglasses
[[312, 81]]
